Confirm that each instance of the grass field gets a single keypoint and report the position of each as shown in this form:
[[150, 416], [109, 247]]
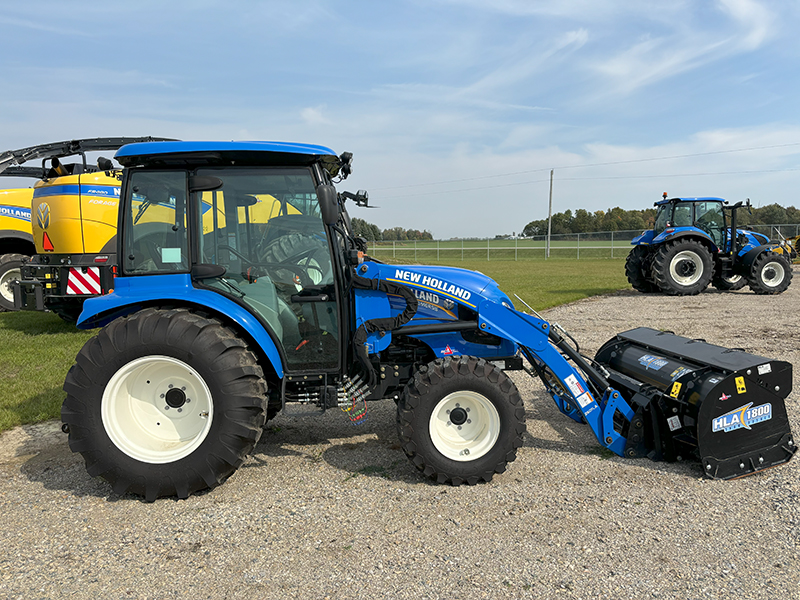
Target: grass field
[[37, 349]]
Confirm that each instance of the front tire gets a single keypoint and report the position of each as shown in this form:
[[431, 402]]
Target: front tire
[[770, 274], [682, 268], [460, 420], [164, 403], [10, 269]]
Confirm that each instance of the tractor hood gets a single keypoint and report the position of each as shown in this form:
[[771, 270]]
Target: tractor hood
[[449, 283]]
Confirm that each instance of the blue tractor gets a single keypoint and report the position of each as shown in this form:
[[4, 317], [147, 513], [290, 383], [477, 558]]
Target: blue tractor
[[692, 246], [245, 293]]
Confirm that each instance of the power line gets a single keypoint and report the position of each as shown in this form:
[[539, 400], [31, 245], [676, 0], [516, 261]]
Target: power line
[[503, 185], [600, 164]]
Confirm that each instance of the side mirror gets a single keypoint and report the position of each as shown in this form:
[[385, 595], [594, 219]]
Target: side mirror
[[328, 203]]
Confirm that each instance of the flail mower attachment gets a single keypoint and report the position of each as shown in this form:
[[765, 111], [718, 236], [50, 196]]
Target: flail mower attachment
[[691, 398]]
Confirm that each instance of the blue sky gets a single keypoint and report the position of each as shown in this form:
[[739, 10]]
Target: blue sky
[[455, 110]]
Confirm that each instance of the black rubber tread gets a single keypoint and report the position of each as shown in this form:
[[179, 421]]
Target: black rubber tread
[[636, 270], [68, 311], [230, 371], [726, 286], [7, 263], [754, 278], [434, 381], [660, 268]]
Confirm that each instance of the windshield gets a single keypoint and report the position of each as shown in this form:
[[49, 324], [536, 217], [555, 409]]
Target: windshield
[[662, 216]]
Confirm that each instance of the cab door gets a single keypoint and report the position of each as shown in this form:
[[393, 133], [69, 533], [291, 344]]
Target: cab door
[[264, 227]]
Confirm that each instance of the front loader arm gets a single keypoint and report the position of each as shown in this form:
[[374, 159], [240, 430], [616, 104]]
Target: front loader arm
[[545, 349]]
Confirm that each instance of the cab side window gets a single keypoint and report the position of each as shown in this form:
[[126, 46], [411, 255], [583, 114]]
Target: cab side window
[[156, 233]]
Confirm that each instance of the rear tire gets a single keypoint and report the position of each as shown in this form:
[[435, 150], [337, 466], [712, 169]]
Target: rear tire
[[460, 420], [636, 270], [164, 403], [682, 268], [770, 274], [10, 269]]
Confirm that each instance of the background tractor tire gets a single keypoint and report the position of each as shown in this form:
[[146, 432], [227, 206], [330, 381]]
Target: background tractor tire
[[729, 284], [164, 403], [682, 268], [68, 311], [10, 269], [636, 271], [770, 274], [460, 420]]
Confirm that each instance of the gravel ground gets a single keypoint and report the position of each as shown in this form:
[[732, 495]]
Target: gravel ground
[[324, 510]]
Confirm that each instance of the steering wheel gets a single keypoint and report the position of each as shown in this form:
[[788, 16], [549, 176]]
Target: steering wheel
[[273, 268]]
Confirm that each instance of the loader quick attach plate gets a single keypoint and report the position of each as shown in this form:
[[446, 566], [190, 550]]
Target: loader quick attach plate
[[726, 405]]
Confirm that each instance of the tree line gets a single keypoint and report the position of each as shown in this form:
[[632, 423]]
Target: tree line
[[373, 233], [618, 219]]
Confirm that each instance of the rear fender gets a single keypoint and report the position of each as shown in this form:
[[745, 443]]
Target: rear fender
[[686, 233], [132, 293]]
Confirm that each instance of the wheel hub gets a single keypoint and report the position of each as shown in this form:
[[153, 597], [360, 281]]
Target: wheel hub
[[464, 425], [686, 268], [458, 416], [175, 398]]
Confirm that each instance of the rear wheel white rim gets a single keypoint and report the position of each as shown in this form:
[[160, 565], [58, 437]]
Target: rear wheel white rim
[[772, 274], [680, 263], [733, 279], [146, 423], [464, 426], [5, 283]]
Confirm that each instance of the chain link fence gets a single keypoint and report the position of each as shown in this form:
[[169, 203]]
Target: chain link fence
[[598, 244]]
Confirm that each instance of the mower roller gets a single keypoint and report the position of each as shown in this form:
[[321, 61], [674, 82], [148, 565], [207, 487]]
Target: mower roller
[[241, 292], [692, 398]]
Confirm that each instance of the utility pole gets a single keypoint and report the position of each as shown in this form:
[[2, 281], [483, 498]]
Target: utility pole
[[549, 217]]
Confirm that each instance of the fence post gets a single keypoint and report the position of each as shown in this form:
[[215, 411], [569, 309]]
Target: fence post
[[612, 244], [579, 246]]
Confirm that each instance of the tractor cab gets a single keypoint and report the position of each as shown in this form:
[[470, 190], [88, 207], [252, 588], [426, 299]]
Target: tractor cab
[[254, 234], [706, 214]]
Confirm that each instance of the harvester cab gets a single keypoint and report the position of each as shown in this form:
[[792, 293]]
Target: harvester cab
[[74, 205], [249, 295], [693, 244]]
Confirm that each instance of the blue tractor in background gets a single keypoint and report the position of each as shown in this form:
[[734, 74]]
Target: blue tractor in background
[[692, 246], [240, 291]]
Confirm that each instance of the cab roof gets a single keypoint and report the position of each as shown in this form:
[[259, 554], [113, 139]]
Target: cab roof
[[702, 199], [252, 152]]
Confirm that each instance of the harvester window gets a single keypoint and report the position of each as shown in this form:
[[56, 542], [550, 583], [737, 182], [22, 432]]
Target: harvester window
[[156, 239]]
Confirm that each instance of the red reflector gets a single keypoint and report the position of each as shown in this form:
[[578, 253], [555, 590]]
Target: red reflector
[[101, 259], [46, 243]]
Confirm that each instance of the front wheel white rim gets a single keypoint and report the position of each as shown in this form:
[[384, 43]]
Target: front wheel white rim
[[772, 274], [464, 426], [5, 284], [157, 409], [686, 268]]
